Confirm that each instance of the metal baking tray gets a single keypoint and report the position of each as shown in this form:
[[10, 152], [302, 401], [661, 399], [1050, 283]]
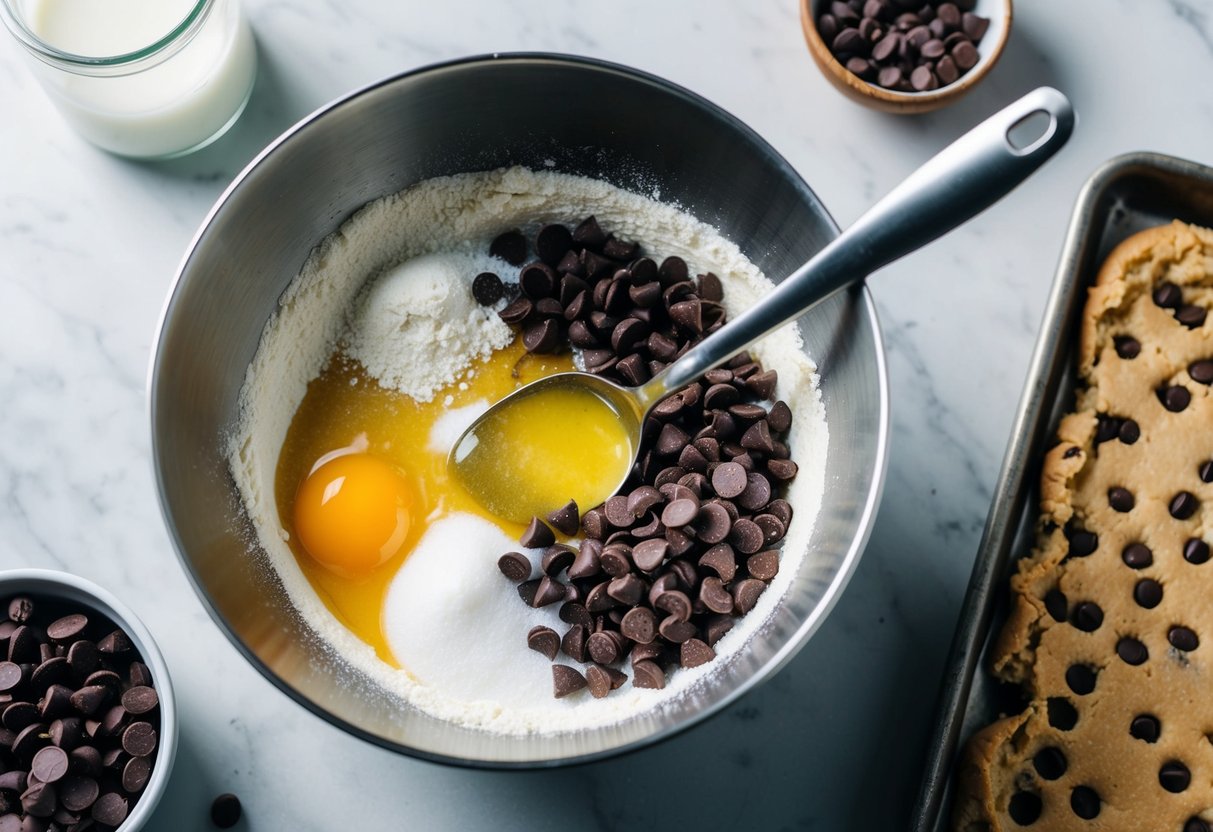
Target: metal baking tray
[[1127, 194]]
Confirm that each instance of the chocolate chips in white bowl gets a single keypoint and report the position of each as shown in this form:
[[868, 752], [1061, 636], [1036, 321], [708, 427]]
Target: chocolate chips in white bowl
[[904, 45], [79, 718], [667, 565]]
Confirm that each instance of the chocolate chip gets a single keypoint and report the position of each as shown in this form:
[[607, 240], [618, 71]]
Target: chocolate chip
[[1175, 398], [627, 590], [1201, 372], [50, 764], [639, 624], [11, 676], [1191, 316], [714, 596], [1145, 727], [573, 643], [1127, 347], [110, 809], [764, 565], [677, 604], [1174, 777], [647, 674], [1083, 543], [1129, 431], [566, 680], [517, 311], [77, 793], [566, 519], [1183, 638], [515, 566], [1196, 551], [537, 535], [746, 536], [746, 593], [20, 609], [18, 715], [1137, 556], [679, 513], [1062, 714], [714, 523], [1025, 808], [547, 592], [1087, 616], [542, 337], [1148, 593], [1196, 824], [510, 247], [650, 554], [543, 640], [1107, 428], [1085, 802], [1121, 499], [1081, 678], [1050, 763], [91, 698], [135, 774], [115, 643], [1055, 604], [1132, 651], [552, 242], [1183, 505], [757, 492], [1167, 295], [605, 647], [694, 653], [729, 479]]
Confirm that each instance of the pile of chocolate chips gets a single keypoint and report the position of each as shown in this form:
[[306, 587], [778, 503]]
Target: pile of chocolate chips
[[689, 544], [80, 719], [904, 45]]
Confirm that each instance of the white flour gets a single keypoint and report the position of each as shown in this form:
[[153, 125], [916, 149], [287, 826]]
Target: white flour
[[415, 327], [462, 214]]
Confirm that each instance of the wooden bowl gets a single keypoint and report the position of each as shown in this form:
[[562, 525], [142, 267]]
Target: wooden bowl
[[991, 47]]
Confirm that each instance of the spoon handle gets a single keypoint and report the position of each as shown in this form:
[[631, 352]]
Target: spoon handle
[[955, 185]]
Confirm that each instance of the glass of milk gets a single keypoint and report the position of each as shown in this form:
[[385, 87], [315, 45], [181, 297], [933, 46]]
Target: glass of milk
[[142, 78]]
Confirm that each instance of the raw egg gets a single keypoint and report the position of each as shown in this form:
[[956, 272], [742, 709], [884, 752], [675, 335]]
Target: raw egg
[[380, 446], [352, 512]]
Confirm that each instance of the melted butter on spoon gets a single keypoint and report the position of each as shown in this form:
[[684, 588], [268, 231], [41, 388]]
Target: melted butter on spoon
[[552, 443]]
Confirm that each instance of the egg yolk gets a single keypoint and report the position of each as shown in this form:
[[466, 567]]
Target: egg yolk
[[352, 513]]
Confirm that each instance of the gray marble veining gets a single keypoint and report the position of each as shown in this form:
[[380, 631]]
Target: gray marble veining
[[88, 245]]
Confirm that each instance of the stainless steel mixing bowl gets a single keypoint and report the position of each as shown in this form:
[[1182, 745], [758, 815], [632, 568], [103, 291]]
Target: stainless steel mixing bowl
[[584, 117]]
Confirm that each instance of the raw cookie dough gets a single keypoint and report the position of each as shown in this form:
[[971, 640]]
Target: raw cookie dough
[[1111, 625]]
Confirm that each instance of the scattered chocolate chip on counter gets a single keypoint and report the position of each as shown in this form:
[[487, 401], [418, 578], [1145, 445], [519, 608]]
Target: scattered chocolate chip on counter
[[904, 45], [80, 718], [226, 810], [691, 541]]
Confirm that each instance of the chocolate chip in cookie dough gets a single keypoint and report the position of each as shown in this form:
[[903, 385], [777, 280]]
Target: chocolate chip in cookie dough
[[1205, 471], [1196, 551], [1055, 603], [1025, 808], [1087, 616], [1137, 556], [1121, 499], [1082, 542], [1081, 678], [1050, 763], [1174, 776], [1191, 315], [1201, 371], [1062, 715], [1183, 505], [1085, 802], [1196, 824], [1145, 727], [1175, 398], [1148, 593], [1127, 347], [1129, 432], [1132, 651], [1167, 296], [1183, 638]]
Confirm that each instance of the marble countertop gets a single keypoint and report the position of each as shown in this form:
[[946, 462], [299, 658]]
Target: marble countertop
[[89, 244]]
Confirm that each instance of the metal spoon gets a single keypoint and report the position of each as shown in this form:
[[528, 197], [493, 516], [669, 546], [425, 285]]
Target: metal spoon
[[960, 182]]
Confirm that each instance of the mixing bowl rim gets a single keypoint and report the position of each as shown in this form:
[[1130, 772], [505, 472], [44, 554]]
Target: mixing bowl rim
[[793, 644]]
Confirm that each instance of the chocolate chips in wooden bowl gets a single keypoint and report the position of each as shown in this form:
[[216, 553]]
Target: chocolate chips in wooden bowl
[[667, 565], [79, 717]]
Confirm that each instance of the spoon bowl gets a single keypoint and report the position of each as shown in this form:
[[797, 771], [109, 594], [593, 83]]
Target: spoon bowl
[[958, 183]]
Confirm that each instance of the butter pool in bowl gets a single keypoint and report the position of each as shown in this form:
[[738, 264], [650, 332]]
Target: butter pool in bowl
[[247, 349]]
